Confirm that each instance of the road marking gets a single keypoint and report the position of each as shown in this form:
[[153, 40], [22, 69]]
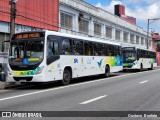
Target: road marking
[[52, 89], [94, 99], [143, 82]]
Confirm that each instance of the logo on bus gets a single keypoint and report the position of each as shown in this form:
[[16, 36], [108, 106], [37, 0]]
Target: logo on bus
[[75, 60], [25, 61]]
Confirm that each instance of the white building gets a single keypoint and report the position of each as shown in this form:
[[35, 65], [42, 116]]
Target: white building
[[80, 18]]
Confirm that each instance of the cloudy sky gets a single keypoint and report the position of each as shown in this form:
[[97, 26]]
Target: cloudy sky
[[140, 9]]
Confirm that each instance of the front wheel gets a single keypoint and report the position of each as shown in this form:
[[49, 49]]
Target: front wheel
[[66, 77]]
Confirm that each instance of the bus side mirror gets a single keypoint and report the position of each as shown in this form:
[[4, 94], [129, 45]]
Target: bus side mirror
[[3, 44], [2, 76]]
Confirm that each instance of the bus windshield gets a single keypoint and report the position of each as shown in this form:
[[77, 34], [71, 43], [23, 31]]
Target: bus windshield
[[129, 55], [26, 52]]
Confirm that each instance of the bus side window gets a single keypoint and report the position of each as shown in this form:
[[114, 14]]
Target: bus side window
[[88, 48], [77, 47], [66, 44]]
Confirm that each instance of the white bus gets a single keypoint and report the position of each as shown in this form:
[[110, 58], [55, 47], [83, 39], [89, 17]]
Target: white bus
[[137, 58], [49, 56]]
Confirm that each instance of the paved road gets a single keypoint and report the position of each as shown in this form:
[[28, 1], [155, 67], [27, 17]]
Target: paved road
[[138, 91]]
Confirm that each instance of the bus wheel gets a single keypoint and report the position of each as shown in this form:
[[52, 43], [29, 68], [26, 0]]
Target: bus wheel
[[107, 71], [66, 77], [141, 68], [124, 70], [151, 67]]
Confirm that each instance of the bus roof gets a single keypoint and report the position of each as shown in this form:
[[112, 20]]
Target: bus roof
[[139, 48], [83, 38], [94, 39]]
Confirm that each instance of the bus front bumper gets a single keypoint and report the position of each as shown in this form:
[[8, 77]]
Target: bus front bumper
[[35, 78]]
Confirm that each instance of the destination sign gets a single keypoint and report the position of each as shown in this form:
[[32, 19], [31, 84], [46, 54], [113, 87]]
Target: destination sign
[[27, 35]]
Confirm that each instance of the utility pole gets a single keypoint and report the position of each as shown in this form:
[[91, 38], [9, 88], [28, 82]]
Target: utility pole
[[148, 35], [12, 17], [152, 20]]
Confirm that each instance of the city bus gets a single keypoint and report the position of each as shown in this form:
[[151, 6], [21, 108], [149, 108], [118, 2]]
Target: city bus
[[138, 58], [49, 56]]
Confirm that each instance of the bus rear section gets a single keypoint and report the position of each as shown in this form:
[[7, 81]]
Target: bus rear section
[[139, 59]]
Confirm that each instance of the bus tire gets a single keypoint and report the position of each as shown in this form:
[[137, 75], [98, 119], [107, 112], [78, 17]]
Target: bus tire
[[141, 68], [66, 77], [124, 70], [151, 67], [107, 71]]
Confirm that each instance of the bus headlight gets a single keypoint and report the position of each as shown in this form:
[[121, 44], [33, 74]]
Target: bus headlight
[[40, 69]]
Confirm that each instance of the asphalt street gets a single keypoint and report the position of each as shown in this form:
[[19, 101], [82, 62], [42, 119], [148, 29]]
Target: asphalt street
[[130, 91]]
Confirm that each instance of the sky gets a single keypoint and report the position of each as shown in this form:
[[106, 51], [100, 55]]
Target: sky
[[140, 9]]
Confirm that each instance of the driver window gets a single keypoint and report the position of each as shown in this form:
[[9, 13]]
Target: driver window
[[52, 48], [55, 48], [49, 49]]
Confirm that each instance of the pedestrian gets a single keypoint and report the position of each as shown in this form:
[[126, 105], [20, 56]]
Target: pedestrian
[[1, 67]]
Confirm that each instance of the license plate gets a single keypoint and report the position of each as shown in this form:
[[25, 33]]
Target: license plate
[[22, 80]]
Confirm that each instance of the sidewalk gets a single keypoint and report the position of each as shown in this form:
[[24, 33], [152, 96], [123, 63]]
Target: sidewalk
[[2, 85]]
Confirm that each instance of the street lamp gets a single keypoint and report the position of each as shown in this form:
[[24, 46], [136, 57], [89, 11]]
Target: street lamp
[[152, 20]]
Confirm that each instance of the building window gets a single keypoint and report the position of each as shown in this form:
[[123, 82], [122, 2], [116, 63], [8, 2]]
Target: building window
[[125, 37], [142, 41], [97, 29], [66, 21], [150, 42], [4, 37], [132, 38], [146, 41], [83, 25], [137, 39], [109, 32], [118, 35]]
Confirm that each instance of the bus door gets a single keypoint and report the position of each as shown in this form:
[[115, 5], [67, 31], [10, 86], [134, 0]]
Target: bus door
[[52, 55]]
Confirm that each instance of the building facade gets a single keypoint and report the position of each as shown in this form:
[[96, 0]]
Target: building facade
[[71, 17], [156, 46]]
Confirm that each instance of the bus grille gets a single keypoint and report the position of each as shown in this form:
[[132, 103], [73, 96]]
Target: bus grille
[[23, 78]]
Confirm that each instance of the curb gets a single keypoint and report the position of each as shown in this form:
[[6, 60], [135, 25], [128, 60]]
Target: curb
[[4, 85]]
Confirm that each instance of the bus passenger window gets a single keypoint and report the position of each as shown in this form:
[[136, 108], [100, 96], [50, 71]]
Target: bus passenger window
[[88, 48], [77, 47], [88, 52], [66, 46]]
